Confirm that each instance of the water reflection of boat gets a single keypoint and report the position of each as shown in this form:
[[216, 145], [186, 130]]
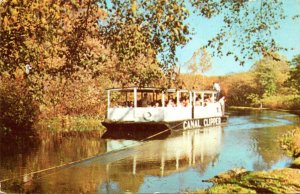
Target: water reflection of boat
[[154, 108], [180, 150]]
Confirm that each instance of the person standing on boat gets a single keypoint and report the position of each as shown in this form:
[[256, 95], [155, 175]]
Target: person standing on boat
[[217, 88], [222, 103]]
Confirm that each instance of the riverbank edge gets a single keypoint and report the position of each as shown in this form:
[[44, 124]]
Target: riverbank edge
[[71, 124], [297, 112], [283, 180]]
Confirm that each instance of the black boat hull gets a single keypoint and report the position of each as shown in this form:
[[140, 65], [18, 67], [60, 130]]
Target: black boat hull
[[172, 125]]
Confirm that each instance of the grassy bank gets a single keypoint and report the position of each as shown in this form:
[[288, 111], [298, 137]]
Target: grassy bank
[[285, 180], [245, 108], [297, 112], [71, 126]]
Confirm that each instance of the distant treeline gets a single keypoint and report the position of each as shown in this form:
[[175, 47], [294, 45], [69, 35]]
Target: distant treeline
[[272, 82]]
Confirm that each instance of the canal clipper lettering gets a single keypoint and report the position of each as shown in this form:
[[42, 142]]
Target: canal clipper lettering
[[197, 123], [157, 108], [191, 124], [212, 121]]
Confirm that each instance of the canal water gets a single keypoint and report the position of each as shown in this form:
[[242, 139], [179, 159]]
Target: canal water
[[167, 162]]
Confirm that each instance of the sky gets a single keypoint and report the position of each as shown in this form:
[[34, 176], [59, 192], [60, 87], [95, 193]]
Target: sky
[[287, 36]]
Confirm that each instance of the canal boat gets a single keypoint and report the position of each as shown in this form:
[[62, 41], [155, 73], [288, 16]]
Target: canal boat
[[134, 108]]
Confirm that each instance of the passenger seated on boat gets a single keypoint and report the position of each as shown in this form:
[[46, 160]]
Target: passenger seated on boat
[[145, 101], [187, 102], [184, 102], [129, 104], [152, 104], [170, 103], [157, 104], [207, 100], [198, 101], [175, 102], [179, 103]]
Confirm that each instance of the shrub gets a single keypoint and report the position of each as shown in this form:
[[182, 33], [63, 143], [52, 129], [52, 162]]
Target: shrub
[[73, 98], [294, 103], [290, 102], [17, 107], [290, 142]]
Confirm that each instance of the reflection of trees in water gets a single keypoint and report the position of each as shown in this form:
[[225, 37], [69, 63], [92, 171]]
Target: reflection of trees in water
[[129, 169], [160, 158], [208, 161], [52, 150], [14, 152], [77, 179], [267, 146]]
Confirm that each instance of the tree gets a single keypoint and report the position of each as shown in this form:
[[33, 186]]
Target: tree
[[147, 29], [42, 33], [142, 27], [294, 78], [240, 88], [248, 26], [200, 62], [59, 40], [54, 37], [18, 109], [270, 75], [43, 41]]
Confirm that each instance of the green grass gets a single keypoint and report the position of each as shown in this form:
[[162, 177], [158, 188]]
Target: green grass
[[230, 188], [284, 180], [287, 103], [245, 108], [68, 123]]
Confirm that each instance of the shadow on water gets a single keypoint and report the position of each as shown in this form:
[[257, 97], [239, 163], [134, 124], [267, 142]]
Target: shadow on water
[[16, 148], [139, 135], [13, 146]]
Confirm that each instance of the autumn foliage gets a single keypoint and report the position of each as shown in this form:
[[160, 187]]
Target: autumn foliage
[[59, 56]]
